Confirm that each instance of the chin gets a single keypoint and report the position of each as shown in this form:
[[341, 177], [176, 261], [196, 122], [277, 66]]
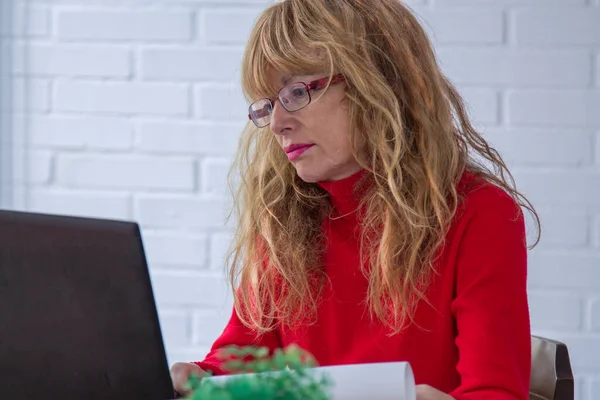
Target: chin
[[309, 176]]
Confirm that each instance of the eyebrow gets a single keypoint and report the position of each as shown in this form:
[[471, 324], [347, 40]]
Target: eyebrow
[[287, 79]]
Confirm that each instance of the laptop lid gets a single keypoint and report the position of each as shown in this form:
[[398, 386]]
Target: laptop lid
[[78, 319]]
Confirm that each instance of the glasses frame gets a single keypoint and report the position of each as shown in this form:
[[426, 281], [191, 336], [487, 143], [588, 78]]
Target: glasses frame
[[317, 84]]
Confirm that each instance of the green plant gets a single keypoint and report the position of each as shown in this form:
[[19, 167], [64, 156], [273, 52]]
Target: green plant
[[285, 375]]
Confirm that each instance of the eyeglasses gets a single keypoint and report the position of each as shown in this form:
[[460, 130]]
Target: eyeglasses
[[293, 97]]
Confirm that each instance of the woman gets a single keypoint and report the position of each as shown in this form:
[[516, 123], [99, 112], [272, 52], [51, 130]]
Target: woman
[[375, 224]]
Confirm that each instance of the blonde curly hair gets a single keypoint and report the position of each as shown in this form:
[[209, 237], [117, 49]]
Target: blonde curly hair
[[418, 143]]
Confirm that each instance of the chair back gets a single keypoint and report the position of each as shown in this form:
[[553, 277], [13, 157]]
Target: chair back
[[551, 374]]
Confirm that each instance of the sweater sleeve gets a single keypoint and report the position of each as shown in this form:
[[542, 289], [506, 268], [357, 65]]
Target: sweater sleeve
[[237, 334], [490, 305]]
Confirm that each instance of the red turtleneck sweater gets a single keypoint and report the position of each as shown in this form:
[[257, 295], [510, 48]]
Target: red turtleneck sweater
[[473, 340]]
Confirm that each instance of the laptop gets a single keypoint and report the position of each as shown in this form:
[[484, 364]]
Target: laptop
[[78, 320]]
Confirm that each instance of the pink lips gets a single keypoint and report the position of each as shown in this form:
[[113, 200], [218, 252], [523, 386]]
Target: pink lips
[[296, 150]]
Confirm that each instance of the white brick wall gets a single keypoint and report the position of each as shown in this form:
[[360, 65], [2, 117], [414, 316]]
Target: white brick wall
[[102, 97], [134, 24], [131, 109], [72, 60]]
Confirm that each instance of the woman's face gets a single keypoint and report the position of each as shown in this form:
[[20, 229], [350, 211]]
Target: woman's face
[[316, 139]]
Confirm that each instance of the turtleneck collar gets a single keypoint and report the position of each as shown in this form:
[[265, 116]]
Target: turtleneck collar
[[344, 198]]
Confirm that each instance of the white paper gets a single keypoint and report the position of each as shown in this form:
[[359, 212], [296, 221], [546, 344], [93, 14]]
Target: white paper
[[375, 381]]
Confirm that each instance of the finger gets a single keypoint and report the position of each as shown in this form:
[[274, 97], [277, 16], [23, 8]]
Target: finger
[[179, 376], [421, 392]]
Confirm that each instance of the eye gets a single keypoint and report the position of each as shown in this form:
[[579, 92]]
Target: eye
[[299, 92]]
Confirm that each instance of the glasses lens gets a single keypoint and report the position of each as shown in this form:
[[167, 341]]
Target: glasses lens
[[294, 97], [260, 111]]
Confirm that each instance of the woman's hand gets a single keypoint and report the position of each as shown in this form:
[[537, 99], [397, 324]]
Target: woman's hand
[[426, 392], [180, 373]]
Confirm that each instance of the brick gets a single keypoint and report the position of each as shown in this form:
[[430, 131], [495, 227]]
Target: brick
[[90, 2], [594, 390], [155, 211], [6, 141], [482, 105], [79, 133], [229, 2], [193, 289], [175, 327], [595, 315], [561, 228], [189, 138], [597, 148], [39, 166], [31, 95], [182, 250], [214, 176], [219, 246], [71, 60], [194, 65], [578, 108], [555, 311], [125, 172], [596, 231], [207, 326], [463, 26], [564, 270], [159, 26], [517, 67], [263, 3], [575, 26], [574, 188], [13, 194], [109, 3], [582, 386], [27, 21], [80, 203], [597, 70], [228, 26], [503, 3], [542, 146], [120, 97], [221, 103]]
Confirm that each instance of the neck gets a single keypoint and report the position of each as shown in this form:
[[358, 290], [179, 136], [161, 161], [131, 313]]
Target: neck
[[345, 195]]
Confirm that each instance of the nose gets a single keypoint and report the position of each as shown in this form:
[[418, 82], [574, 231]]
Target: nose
[[280, 119]]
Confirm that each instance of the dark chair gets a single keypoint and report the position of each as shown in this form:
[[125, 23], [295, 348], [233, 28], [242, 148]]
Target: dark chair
[[551, 374]]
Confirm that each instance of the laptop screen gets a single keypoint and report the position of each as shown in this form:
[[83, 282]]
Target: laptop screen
[[77, 313]]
